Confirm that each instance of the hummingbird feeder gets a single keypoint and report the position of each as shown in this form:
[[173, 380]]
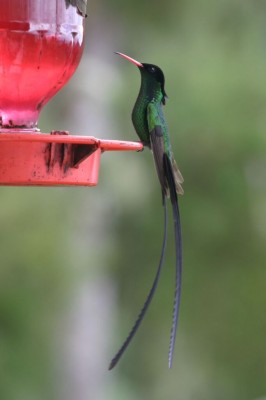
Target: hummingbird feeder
[[41, 46]]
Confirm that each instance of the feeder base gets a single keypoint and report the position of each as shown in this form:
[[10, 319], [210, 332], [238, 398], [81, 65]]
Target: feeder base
[[37, 159]]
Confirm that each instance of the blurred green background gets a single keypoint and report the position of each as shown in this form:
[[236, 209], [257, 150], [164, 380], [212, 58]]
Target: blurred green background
[[76, 264]]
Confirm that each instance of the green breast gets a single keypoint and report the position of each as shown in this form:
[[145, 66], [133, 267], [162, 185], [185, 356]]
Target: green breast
[[149, 91], [139, 118]]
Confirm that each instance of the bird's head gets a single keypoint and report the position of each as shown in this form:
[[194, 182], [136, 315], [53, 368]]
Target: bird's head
[[150, 71]]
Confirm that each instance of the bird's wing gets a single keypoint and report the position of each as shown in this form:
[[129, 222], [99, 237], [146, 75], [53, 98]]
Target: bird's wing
[[178, 178], [178, 248], [156, 127]]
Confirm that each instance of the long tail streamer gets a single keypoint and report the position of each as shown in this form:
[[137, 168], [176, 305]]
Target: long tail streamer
[[149, 297], [178, 248]]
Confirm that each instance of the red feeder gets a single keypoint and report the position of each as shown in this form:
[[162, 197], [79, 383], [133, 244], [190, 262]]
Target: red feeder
[[41, 45]]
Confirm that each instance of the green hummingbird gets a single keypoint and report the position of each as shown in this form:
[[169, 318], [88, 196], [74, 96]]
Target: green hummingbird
[[81, 6], [150, 125]]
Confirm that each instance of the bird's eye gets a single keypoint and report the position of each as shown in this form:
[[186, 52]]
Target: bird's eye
[[152, 69]]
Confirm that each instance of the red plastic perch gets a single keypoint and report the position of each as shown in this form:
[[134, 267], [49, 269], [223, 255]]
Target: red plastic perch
[[57, 158]]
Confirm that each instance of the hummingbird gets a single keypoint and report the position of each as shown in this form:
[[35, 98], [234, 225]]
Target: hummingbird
[[81, 6], [150, 125]]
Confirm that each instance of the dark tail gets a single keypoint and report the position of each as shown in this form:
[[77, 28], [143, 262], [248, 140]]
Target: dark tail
[[178, 249], [149, 297]]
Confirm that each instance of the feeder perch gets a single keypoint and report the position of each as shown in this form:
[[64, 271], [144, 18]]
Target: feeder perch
[[41, 46]]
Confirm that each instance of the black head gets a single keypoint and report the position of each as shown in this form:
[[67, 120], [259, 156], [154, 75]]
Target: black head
[[152, 71], [155, 73]]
